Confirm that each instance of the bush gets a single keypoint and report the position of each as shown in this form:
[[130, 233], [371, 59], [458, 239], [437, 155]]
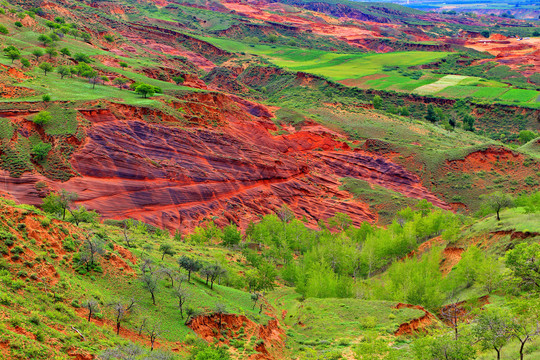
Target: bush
[[17, 250], [369, 322], [3, 30]]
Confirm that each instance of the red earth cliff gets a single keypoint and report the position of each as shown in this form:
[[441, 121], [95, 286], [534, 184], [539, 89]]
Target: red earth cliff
[[225, 164]]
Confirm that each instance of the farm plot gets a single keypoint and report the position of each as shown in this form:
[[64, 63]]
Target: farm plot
[[439, 85]]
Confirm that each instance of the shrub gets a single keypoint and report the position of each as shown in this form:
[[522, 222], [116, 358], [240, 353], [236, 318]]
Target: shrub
[[17, 250], [5, 299], [368, 322]]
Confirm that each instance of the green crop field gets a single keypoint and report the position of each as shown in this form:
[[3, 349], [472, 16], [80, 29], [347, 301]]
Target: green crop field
[[458, 91], [333, 65], [488, 93], [520, 95]]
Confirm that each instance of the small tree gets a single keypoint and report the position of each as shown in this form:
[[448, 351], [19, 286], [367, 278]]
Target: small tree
[[231, 235], [37, 53], [189, 264], [41, 150], [25, 63], [453, 315], [150, 283], [86, 36], [13, 55], [468, 122], [526, 325], [93, 77], [526, 135], [153, 332], [59, 202], [91, 249], [498, 201], [493, 329], [179, 79], [46, 67], [524, 261], [285, 214], [377, 102], [431, 116], [145, 90], [120, 82], [143, 325], [92, 306], [44, 39], [166, 249], [190, 313], [183, 295], [65, 52], [220, 309], [63, 70], [168, 272], [127, 224], [255, 298], [212, 272], [123, 64], [121, 311], [82, 215], [42, 118], [51, 52]]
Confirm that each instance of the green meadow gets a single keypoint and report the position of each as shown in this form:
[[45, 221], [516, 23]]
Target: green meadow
[[336, 66]]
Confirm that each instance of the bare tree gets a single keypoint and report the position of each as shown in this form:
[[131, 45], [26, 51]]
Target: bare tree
[[454, 314], [183, 296], [220, 309], [91, 249], [168, 272], [150, 283], [153, 332], [255, 299], [92, 306], [142, 326], [127, 239], [285, 214], [120, 312], [190, 313], [148, 264]]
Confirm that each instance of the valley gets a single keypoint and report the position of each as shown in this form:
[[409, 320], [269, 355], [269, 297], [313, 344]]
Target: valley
[[265, 179]]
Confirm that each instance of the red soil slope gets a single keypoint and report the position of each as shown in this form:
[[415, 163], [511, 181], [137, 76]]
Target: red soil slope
[[415, 325], [271, 346], [176, 177]]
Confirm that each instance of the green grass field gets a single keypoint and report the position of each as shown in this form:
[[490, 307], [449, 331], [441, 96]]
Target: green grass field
[[520, 95], [335, 66]]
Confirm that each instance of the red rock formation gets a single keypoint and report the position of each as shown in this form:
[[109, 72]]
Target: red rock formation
[[226, 165]]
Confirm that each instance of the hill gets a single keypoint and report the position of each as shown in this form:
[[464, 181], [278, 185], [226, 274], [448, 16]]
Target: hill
[[266, 180]]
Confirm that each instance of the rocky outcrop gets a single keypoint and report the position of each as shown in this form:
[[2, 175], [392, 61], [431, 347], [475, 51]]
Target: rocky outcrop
[[226, 164]]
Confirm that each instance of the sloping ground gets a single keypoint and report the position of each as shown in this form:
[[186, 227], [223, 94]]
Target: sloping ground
[[227, 328], [415, 325], [174, 176]]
